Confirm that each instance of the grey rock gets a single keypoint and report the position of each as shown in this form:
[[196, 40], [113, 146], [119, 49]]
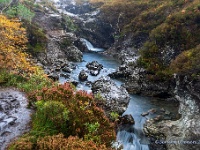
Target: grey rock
[[145, 114], [73, 54], [94, 65], [82, 76], [64, 75], [126, 119], [67, 69], [116, 98]]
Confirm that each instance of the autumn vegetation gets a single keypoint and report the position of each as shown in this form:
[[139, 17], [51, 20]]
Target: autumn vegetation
[[64, 118], [161, 29]]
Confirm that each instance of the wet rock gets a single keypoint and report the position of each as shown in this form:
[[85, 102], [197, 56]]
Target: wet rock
[[145, 114], [152, 111], [67, 69], [94, 65], [188, 96], [82, 76], [94, 72], [3, 125], [126, 119], [73, 54], [80, 45], [158, 118], [88, 83], [13, 119], [80, 9], [94, 68], [75, 83], [2, 116], [122, 72], [116, 98], [54, 76], [64, 75], [167, 112], [162, 110]]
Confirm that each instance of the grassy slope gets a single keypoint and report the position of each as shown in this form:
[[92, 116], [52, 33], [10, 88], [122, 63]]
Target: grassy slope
[[161, 25], [58, 122]]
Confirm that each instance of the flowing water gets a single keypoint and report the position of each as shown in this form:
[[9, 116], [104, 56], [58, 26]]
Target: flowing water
[[130, 136]]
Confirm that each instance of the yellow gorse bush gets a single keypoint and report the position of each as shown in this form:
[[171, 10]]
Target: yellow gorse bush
[[13, 42]]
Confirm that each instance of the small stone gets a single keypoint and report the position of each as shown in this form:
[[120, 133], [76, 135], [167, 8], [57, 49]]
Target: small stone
[[3, 125], [11, 120], [94, 72], [152, 111], [167, 112], [64, 75], [67, 69], [158, 118], [162, 109], [83, 75], [145, 114]]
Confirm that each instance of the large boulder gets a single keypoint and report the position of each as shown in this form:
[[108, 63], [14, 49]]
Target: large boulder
[[115, 98], [73, 54], [94, 65], [94, 68]]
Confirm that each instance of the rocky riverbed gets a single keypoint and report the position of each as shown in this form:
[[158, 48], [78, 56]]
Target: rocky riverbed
[[137, 80], [14, 115]]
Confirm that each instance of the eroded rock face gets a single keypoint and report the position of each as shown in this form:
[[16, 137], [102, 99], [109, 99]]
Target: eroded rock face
[[126, 119], [138, 81], [60, 43], [116, 98], [14, 115], [184, 133], [73, 54]]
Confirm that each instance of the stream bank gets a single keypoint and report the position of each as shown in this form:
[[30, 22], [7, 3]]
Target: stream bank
[[14, 115], [134, 81]]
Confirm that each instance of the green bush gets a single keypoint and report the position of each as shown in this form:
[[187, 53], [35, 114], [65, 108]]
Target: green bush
[[114, 116], [84, 115], [51, 116]]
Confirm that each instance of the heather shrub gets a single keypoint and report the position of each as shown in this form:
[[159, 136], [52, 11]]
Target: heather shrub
[[58, 142], [82, 113], [24, 143], [55, 142]]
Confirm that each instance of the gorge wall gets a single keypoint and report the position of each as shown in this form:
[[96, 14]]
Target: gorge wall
[[154, 41]]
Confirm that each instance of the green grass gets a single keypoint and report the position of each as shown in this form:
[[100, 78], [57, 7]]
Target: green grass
[[27, 84]]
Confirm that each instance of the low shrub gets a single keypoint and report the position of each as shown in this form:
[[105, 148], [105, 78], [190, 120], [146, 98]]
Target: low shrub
[[56, 142]]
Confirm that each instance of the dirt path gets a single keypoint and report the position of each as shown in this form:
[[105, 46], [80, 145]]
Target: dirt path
[[14, 115]]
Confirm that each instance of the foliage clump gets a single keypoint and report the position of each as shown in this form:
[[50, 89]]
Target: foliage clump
[[66, 118], [13, 42], [85, 119], [161, 29], [57, 142], [187, 62]]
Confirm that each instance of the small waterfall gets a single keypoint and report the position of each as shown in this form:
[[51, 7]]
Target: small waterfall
[[129, 138], [90, 47]]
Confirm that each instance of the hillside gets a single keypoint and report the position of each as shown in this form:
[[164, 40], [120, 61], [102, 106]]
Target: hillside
[[161, 30], [151, 48]]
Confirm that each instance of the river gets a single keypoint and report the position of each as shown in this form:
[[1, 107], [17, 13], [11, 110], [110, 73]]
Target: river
[[130, 136]]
